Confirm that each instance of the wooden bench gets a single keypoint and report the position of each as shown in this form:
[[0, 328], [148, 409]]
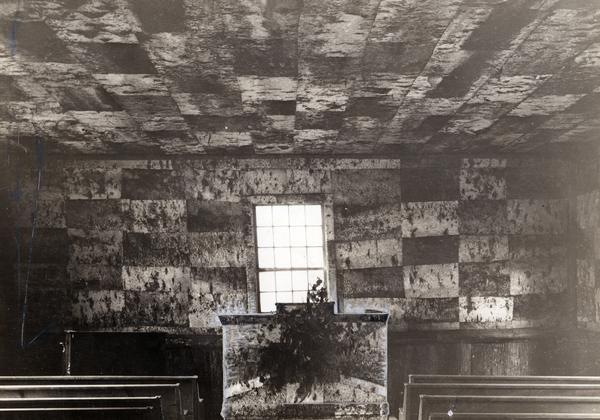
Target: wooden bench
[[499, 379], [192, 405], [169, 393], [430, 404], [78, 413], [514, 416], [83, 403], [412, 391]]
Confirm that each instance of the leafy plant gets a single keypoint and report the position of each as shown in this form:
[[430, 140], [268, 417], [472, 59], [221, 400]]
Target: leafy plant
[[312, 348]]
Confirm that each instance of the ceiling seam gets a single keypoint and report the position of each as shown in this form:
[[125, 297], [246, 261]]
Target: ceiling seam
[[361, 65], [542, 84], [298, 56], [540, 20], [385, 125]]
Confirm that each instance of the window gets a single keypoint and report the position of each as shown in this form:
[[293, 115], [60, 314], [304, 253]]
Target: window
[[290, 251]]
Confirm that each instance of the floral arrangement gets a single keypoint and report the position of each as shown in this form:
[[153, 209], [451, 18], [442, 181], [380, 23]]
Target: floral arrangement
[[313, 349]]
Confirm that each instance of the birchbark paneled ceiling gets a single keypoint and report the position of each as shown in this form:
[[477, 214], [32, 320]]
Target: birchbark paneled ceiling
[[299, 76]]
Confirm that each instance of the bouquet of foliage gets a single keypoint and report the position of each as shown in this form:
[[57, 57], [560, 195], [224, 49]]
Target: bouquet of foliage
[[313, 348]]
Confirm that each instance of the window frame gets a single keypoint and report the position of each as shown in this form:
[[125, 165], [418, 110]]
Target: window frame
[[323, 246], [252, 269]]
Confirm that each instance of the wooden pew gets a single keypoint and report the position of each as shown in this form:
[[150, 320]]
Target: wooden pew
[[170, 401], [78, 413], [191, 403], [514, 416], [430, 404], [412, 391], [500, 379], [100, 403]]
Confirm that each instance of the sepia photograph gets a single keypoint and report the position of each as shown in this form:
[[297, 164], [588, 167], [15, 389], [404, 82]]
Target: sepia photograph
[[299, 209]]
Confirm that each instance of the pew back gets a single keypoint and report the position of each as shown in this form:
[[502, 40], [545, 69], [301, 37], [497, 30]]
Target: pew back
[[418, 378], [170, 401], [413, 391], [499, 403], [78, 413], [191, 402], [514, 416], [73, 403]]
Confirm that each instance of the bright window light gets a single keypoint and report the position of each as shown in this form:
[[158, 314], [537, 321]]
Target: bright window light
[[290, 244]]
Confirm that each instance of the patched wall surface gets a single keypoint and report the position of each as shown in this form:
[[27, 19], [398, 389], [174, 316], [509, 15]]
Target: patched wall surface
[[167, 245]]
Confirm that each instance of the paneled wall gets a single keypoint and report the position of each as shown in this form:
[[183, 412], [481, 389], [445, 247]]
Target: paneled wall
[[166, 245], [587, 241], [480, 243]]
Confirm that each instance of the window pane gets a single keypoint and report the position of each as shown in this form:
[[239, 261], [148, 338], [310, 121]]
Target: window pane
[[297, 216], [281, 236], [266, 258], [298, 236], [266, 281], [314, 236], [285, 297], [288, 236], [264, 236], [284, 281], [299, 280], [267, 302], [280, 216], [299, 258], [313, 275], [263, 216], [315, 257], [282, 258], [299, 297], [313, 215]]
